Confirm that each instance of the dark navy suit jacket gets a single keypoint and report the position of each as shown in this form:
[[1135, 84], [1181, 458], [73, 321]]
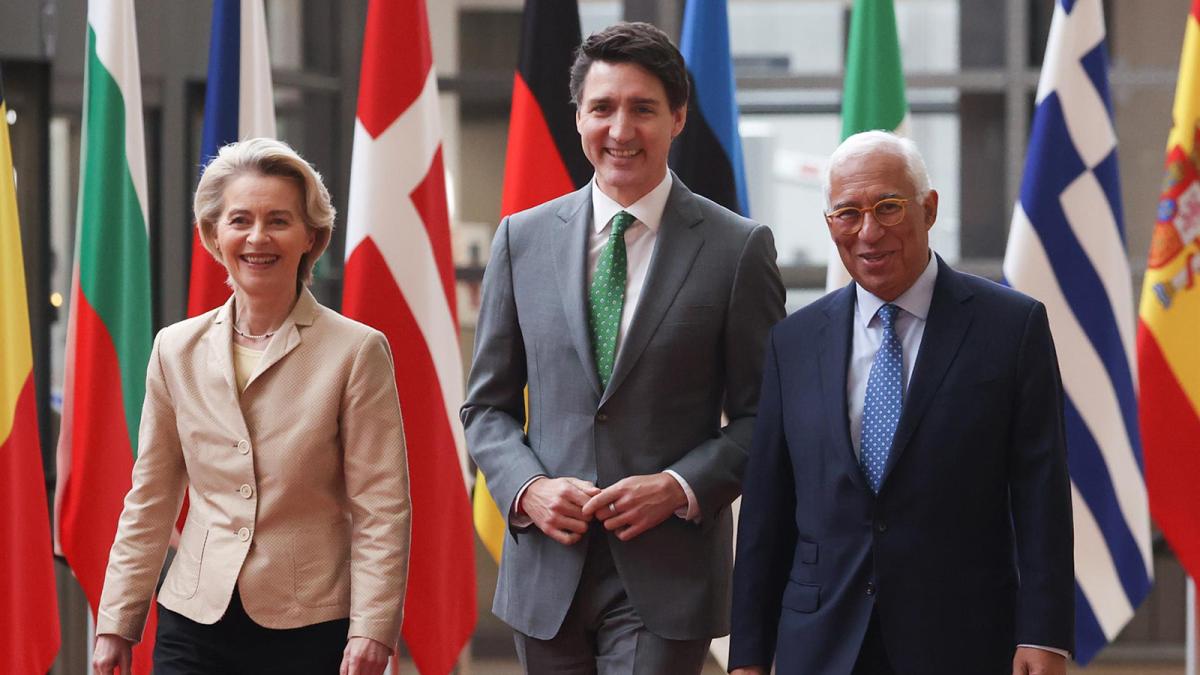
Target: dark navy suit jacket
[[967, 550]]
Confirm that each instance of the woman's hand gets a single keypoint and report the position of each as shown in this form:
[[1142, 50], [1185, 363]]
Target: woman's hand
[[113, 653], [364, 656]]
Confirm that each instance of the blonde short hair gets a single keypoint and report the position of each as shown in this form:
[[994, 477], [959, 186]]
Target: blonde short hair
[[265, 157]]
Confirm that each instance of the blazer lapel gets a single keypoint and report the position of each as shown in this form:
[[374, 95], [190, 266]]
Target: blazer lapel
[[219, 339], [949, 318], [570, 264], [288, 336], [835, 338], [674, 252]]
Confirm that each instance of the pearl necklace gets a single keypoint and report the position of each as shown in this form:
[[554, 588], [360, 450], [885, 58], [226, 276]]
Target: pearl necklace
[[264, 336]]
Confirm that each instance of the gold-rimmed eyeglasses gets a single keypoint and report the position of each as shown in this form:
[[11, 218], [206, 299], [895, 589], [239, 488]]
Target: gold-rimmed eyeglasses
[[849, 220]]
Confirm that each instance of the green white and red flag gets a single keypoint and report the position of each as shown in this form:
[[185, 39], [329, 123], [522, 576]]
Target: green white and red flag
[[109, 326]]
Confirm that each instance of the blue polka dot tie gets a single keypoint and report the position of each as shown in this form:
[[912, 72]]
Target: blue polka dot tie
[[607, 297], [885, 395]]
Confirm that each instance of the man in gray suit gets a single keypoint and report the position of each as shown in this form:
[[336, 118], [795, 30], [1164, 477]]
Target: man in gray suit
[[636, 313]]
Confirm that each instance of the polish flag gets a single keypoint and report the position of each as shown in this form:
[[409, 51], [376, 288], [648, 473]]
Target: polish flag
[[399, 278]]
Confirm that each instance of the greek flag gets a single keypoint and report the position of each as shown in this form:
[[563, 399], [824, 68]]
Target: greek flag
[[1067, 249]]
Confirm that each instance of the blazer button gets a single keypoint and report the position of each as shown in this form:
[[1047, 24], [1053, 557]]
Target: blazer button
[[244, 534], [246, 491], [870, 587], [881, 527], [601, 417], [243, 446]]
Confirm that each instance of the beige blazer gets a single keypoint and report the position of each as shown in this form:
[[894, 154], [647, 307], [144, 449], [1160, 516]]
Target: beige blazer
[[298, 487]]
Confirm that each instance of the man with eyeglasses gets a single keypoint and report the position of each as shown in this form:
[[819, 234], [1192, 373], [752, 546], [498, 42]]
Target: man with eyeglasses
[[907, 507]]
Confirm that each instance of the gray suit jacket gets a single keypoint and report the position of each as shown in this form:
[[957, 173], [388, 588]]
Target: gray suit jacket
[[694, 349]]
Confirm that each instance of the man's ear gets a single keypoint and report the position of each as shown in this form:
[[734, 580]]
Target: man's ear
[[931, 208]]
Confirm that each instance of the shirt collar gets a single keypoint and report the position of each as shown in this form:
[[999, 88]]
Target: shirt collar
[[915, 300], [648, 210]]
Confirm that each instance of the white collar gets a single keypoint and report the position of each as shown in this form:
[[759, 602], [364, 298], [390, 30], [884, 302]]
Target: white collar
[[915, 300], [648, 210]]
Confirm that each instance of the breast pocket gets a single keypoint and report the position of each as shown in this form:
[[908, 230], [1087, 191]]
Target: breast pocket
[[321, 560]]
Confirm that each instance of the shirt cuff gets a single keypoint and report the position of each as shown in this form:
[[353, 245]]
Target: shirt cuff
[[692, 512], [1053, 650], [517, 518]]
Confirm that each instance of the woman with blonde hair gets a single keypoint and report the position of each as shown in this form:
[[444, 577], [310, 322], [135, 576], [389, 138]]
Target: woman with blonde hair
[[280, 419]]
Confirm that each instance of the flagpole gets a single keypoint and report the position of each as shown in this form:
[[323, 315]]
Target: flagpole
[[1192, 628]]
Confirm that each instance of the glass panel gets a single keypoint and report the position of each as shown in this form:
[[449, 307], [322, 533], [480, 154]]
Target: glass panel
[[785, 157], [779, 38], [595, 15]]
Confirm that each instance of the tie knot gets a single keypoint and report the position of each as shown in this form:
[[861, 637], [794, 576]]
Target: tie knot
[[887, 315], [621, 222]]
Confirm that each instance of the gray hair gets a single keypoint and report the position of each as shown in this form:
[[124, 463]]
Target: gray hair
[[264, 157], [870, 142]]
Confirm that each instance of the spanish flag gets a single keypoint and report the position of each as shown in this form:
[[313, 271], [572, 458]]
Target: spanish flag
[[1169, 323], [28, 611]]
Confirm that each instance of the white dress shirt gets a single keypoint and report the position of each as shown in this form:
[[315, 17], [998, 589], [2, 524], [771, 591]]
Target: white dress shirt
[[640, 238], [868, 333]]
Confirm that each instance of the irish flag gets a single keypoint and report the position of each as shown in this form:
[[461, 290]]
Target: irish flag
[[28, 612], [108, 329]]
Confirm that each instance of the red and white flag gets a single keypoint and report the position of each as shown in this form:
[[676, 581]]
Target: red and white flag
[[399, 278]]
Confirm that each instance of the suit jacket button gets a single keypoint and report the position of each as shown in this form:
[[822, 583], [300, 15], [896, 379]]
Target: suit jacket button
[[244, 534], [870, 588], [243, 446], [881, 526], [601, 417], [246, 491]]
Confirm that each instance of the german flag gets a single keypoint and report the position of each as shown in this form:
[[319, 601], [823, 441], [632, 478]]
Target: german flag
[[544, 158]]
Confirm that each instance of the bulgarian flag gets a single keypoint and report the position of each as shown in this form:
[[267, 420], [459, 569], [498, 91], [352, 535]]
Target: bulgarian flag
[[399, 278], [873, 92], [108, 328], [544, 159], [1169, 322], [28, 611]]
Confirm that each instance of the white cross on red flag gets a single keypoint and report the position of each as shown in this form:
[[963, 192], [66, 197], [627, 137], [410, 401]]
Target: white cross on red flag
[[399, 278]]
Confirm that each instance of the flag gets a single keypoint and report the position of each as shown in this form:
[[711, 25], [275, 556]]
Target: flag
[[544, 159], [238, 104], [29, 636], [108, 328], [1169, 314], [399, 278], [1066, 248], [873, 92], [707, 155]]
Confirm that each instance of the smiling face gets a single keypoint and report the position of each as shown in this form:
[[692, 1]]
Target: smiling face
[[883, 260], [626, 126], [261, 234]]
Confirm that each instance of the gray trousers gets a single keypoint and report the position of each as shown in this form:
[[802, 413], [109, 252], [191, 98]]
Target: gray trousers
[[602, 633]]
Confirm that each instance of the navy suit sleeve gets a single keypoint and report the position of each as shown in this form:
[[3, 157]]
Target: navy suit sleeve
[[766, 529], [1040, 491]]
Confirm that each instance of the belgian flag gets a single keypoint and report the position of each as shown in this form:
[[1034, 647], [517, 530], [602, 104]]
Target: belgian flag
[[544, 158], [707, 155]]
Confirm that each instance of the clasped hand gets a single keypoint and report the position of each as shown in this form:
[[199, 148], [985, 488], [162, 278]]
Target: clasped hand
[[563, 507]]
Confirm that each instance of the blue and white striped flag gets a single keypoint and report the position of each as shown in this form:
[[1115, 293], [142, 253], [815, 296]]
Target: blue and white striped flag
[[1067, 249]]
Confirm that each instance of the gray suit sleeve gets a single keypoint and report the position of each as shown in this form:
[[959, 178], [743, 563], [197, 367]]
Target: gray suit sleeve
[[493, 414], [714, 468]]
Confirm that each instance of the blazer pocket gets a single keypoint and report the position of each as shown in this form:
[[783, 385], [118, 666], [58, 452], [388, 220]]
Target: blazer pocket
[[800, 597], [806, 552], [691, 314], [321, 562], [183, 579]]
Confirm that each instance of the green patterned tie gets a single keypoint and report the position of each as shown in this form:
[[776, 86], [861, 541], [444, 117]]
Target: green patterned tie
[[607, 297]]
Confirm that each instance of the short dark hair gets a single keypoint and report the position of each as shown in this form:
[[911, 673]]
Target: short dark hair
[[638, 43]]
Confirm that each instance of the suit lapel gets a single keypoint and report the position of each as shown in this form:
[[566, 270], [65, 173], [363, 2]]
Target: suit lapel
[[834, 361], [219, 343], [674, 252], [288, 336], [570, 263], [949, 318]]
